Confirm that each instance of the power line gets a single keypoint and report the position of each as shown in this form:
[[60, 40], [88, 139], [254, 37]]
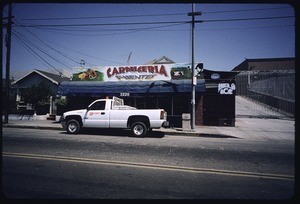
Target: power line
[[245, 10], [75, 51], [107, 30], [25, 42], [228, 28], [35, 54], [103, 24], [245, 28], [121, 31], [74, 32], [245, 19], [59, 52], [116, 31], [101, 17], [43, 51], [147, 15], [157, 22]]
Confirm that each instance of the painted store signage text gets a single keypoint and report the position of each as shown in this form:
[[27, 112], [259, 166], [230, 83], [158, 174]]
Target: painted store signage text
[[136, 72]]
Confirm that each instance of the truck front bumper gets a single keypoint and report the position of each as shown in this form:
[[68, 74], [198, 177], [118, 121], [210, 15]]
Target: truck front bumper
[[62, 122]]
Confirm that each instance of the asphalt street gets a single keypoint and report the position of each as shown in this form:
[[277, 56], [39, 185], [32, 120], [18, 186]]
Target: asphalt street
[[52, 164]]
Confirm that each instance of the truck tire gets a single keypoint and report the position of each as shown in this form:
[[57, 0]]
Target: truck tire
[[73, 126], [138, 129]]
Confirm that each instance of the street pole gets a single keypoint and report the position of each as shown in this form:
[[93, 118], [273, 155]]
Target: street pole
[[8, 47], [193, 118], [194, 79], [1, 62]]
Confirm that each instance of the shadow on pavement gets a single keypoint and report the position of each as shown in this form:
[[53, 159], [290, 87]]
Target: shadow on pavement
[[117, 132], [217, 136]]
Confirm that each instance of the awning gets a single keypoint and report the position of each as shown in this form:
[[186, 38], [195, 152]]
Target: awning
[[96, 89]]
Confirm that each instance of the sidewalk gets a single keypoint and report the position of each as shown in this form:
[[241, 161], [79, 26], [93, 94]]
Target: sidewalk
[[245, 128], [253, 127]]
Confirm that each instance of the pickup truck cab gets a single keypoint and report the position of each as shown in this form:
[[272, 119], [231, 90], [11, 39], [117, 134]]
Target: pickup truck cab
[[112, 113]]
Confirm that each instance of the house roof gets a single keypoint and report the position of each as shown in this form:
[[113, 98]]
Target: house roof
[[57, 79], [270, 59], [162, 60], [268, 64]]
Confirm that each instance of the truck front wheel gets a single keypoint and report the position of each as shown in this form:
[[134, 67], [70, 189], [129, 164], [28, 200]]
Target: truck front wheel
[[73, 126], [138, 129]]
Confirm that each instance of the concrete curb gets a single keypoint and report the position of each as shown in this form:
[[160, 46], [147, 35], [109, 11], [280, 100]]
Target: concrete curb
[[32, 127], [165, 131], [60, 128]]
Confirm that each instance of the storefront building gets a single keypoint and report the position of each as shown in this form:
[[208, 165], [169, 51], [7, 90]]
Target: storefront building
[[167, 86], [219, 98]]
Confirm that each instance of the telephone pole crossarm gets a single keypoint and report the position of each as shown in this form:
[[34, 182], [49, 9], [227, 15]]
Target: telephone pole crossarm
[[195, 13]]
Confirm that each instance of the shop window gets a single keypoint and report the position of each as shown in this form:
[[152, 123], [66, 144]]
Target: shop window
[[181, 105], [151, 103], [141, 103], [129, 101], [166, 104]]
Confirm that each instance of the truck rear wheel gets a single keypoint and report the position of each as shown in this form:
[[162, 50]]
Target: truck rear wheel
[[73, 126], [138, 129]]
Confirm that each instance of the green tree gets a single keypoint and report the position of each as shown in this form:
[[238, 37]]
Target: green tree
[[37, 94]]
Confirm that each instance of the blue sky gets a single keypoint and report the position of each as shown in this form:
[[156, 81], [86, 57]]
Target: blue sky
[[139, 29]]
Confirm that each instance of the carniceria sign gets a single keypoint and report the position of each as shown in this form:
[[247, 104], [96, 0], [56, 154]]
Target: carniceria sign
[[133, 73], [147, 72]]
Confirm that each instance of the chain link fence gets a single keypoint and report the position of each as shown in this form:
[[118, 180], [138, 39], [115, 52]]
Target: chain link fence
[[272, 93]]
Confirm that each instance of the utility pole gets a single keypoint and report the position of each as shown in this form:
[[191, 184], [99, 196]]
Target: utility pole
[[1, 62], [8, 48], [194, 78]]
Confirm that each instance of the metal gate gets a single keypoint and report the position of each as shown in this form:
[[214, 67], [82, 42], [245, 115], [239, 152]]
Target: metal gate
[[269, 94]]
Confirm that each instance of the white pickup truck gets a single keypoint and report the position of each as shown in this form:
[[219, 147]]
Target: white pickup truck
[[112, 113]]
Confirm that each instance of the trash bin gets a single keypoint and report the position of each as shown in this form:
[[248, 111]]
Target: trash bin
[[186, 121]]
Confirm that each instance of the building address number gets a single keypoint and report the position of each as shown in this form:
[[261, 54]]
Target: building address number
[[124, 94]]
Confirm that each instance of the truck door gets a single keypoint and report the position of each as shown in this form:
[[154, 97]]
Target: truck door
[[97, 116]]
